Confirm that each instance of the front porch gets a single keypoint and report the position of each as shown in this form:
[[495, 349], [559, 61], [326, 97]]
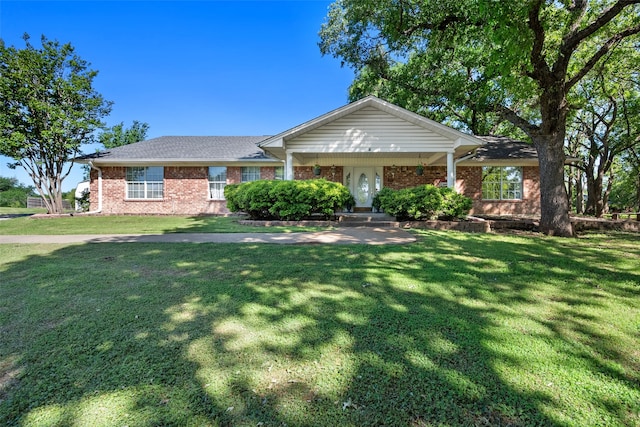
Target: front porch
[[370, 144]]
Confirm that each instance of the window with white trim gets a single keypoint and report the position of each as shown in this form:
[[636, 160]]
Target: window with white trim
[[502, 183], [250, 173], [145, 182], [217, 182], [279, 173]]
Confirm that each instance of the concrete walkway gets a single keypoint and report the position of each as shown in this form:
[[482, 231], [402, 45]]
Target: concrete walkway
[[346, 235]]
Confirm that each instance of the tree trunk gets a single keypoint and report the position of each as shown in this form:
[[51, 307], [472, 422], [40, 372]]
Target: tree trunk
[[570, 187], [595, 204], [554, 203], [638, 193], [579, 193], [607, 193]]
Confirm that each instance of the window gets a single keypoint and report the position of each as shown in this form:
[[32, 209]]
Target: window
[[145, 182], [250, 173], [279, 173], [502, 183], [217, 182]]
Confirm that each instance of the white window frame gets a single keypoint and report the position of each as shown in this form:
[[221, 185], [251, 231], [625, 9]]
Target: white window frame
[[250, 173], [504, 188], [142, 183], [217, 182], [278, 173]]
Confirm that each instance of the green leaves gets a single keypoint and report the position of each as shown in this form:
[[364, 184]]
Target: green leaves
[[48, 108], [423, 202], [286, 200], [118, 135]]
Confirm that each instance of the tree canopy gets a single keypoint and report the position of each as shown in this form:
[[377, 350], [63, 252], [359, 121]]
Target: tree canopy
[[48, 109], [510, 66], [13, 194], [118, 135]]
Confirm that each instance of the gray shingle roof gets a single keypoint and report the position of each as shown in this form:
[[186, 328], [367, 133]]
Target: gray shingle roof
[[503, 148], [187, 148]]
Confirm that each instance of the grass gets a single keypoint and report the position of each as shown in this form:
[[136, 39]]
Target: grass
[[457, 329], [125, 224], [20, 211]]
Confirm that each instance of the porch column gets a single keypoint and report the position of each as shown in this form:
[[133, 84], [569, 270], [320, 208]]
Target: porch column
[[288, 166], [451, 171]]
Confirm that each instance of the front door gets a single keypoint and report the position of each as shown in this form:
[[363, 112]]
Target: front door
[[364, 186]]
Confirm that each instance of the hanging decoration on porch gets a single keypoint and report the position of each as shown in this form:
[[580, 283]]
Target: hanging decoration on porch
[[420, 167]]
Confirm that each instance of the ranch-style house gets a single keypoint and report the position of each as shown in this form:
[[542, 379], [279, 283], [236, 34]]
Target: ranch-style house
[[366, 145]]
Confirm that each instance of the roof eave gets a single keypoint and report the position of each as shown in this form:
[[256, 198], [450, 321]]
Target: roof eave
[[179, 162]]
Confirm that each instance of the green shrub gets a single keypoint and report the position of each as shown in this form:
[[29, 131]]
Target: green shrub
[[231, 195], [286, 200], [292, 201], [84, 201], [14, 198], [455, 205], [423, 202], [382, 198]]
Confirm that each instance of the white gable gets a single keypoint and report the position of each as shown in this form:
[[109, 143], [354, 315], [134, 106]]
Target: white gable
[[369, 130], [371, 125]]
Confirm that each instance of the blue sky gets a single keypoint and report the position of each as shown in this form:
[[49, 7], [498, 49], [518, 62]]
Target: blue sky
[[192, 67]]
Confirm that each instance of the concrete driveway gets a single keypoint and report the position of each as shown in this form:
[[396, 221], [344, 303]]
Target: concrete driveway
[[340, 236]]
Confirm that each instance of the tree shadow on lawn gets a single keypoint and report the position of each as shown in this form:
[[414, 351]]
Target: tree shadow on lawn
[[456, 330]]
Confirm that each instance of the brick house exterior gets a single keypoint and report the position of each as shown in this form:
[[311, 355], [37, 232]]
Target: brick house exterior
[[365, 145]]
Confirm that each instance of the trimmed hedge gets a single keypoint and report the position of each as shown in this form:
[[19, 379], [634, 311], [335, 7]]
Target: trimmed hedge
[[286, 200], [423, 202]]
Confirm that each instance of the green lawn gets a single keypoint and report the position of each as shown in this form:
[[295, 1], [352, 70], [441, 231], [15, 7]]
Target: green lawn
[[20, 211], [457, 329], [130, 224]]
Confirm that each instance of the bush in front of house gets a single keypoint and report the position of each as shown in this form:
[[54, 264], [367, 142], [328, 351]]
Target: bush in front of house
[[286, 200], [252, 199], [454, 205], [424, 202], [382, 198]]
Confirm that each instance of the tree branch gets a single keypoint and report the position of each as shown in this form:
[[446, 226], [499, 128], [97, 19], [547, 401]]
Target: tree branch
[[578, 9], [514, 118], [604, 49], [574, 38], [540, 66]]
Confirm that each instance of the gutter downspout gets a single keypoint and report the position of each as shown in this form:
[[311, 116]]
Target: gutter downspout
[[99, 210], [455, 166]]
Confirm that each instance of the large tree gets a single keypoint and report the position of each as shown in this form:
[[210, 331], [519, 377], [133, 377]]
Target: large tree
[[48, 109], [607, 127], [524, 59]]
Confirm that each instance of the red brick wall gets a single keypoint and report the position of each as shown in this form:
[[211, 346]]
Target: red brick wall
[[405, 176], [186, 192], [186, 189], [306, 172], [469, 183]]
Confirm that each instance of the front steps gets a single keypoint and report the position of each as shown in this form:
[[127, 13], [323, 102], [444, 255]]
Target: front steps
[[367, 219]]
